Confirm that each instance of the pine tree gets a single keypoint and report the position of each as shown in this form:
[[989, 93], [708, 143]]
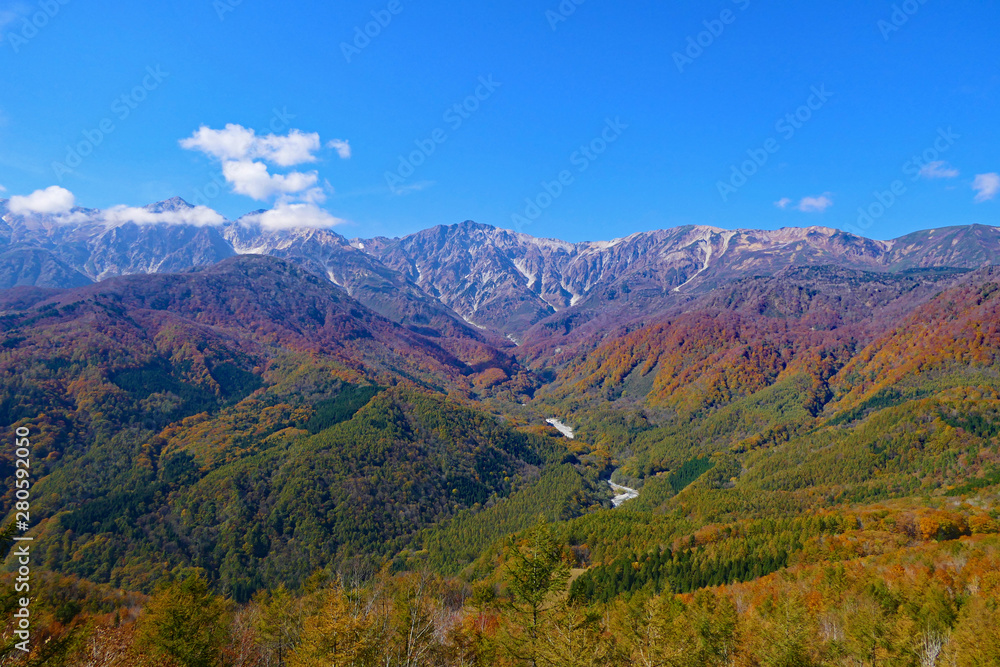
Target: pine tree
[[536, 575], [186, 623]]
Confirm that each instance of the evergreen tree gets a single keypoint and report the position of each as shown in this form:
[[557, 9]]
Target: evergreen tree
[[185, 623], [536, 576]]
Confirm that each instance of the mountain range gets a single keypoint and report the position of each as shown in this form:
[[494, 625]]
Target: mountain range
[[512, 288]]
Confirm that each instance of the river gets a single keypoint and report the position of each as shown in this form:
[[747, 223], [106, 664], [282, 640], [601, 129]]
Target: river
[[623, 493]]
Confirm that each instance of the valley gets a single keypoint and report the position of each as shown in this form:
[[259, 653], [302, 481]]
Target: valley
[[279, 413]]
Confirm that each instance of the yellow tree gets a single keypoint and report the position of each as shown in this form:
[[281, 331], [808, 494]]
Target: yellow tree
[[337, 634], [278, 622], [673, 634], [413, 620], [782, 634], [575, 637], [976, 639]]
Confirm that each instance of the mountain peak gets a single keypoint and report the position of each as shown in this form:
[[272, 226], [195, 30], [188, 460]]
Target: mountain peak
[[468, 226], [172, 204]]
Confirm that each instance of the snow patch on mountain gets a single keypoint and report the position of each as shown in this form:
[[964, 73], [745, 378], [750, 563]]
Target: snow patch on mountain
[[706, 246]]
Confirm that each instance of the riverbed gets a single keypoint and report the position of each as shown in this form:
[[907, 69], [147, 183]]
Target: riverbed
[[622, 493], [562, 428]]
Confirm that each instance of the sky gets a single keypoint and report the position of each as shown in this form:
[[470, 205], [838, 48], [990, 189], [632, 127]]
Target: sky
[[579, 120]]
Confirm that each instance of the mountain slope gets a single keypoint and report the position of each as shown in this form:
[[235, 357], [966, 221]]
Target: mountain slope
[[100, 245], [546, 293], [259, 303], [328, 254], [137, 388], [36, 267], [292, 504], [541, 293]]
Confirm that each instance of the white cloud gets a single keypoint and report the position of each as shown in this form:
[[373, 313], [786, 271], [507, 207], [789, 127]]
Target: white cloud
[[939, 169], [294, 148], [236, 142], [52, 200], [314, 195], [288, 216], [3, 189], [807, 204], [246, 165], [986, 186], [199, 216], [342, 147], [815, 204], [410, 188], [233, 143], [245, 157], [254, 180]]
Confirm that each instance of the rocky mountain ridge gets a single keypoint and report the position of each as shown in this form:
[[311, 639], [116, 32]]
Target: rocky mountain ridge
[[474, 277]]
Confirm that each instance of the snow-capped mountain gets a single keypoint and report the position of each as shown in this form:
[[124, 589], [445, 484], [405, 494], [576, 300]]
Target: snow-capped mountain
[[506, 283]]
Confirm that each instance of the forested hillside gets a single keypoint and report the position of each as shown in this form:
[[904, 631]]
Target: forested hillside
[[816, 455]]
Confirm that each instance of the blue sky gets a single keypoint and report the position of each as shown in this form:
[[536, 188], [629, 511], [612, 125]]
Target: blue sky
[[581, 121]]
